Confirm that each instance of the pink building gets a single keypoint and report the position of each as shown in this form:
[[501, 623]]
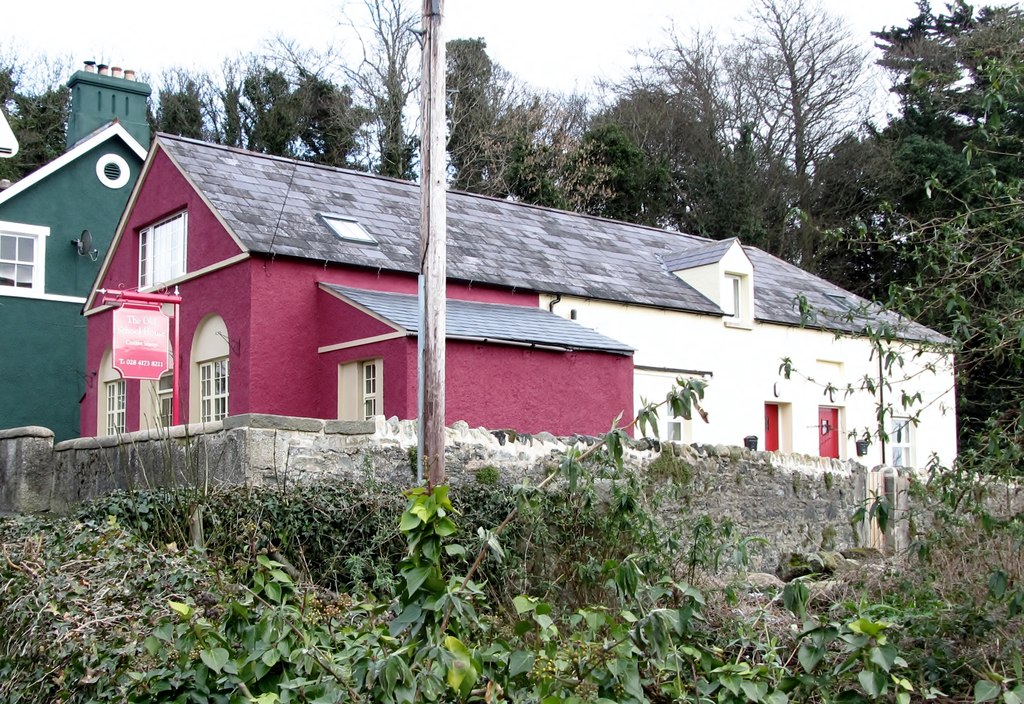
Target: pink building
[[298, 288]]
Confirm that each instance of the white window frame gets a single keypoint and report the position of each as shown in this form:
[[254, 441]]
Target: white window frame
[[370, 401], [38, 235], [734, 291], [213, 389], [347, 228], [901, 441], [165, 398], [160, 261], [116, 394]]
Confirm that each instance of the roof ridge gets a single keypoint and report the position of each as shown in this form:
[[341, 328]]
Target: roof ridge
[[404, 182], [274, 157]]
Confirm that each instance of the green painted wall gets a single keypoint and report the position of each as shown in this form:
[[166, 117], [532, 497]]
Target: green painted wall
[[42, 364], [42, 343]]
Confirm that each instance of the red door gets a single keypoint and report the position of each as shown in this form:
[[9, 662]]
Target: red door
[[771, 427], [828, 432]]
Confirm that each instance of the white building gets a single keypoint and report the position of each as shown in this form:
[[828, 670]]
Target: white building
[[809, 384]]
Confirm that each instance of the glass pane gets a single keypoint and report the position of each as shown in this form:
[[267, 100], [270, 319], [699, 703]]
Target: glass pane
[[8, 247], [6, 274], [898, 457], [24, 275], [26, 249]]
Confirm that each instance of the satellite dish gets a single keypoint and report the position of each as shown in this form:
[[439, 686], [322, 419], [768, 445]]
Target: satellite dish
[[84, 245], [8, 142]]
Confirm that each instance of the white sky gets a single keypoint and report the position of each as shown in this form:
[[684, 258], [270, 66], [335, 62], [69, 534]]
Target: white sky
[[550, 44]]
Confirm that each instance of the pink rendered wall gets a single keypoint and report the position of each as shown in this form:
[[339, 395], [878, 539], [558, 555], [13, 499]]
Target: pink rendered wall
[[529, 390], [490, 385], [98, 336], [200, 297], [292, 316], [164, 192], [339, 322]]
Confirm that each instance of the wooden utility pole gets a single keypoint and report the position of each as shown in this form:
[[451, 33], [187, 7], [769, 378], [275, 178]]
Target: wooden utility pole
[[433, 204]]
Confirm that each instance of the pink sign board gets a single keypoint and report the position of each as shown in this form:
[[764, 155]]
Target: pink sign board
[[140, 342]]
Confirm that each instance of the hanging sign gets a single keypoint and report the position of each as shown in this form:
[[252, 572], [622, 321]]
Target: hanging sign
[[140, 341], [8, 142]]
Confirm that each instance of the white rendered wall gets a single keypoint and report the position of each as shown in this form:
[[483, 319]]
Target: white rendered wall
[[742, 363]]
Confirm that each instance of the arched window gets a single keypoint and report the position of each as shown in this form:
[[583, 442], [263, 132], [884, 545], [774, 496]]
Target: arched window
[[156, 405], [208, 376], [111, 398]]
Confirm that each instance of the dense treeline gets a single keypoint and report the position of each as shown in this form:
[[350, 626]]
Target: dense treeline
[[766, 137]]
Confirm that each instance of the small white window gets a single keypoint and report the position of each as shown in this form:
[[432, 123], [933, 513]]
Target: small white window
[[370, 395], [213, 385], [116, 407], [347, 228], [733, 302], [165, 395], [901, 442], [162, 251], [675, 430], [22, 258], [679, 429]]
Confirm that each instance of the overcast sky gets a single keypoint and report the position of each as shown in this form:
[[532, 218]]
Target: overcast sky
[[550, 44]]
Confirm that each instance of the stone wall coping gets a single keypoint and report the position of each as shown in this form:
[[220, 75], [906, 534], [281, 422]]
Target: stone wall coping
[[28, 431], [350, 427], [403, 433], [266, 421], [176, 432]]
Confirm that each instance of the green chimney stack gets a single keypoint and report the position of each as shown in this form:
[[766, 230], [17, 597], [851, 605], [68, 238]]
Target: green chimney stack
[[101, 94]]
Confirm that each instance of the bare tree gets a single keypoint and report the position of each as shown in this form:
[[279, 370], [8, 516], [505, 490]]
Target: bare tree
[[799, 77], [385, 79]]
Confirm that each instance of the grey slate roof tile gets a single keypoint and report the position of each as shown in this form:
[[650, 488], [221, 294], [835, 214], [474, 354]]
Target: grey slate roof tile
[[698, 256], [271, 203], [491, 321]]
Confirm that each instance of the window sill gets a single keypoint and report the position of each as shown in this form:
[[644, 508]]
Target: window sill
[[38, 295], [738, 324]]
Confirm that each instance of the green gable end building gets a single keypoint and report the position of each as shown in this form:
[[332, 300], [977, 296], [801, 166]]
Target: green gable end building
[[48, 262]]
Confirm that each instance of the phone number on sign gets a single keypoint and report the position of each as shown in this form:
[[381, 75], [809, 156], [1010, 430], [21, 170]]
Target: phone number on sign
[[139, 363]]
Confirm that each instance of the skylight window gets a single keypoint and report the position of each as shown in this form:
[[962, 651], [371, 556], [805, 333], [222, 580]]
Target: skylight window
[[347, 229], [841, 301]]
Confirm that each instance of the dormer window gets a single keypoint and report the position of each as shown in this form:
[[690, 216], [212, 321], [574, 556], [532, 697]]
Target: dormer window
[[347, 229], [737, 300], [162, 251]]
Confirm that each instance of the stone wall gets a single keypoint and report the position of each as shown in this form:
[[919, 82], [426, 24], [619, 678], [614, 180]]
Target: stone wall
[[795, 502]]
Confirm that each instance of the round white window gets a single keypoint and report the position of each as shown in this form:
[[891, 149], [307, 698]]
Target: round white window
[[112, 171]]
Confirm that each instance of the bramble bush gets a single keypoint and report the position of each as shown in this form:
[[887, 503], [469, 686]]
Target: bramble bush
[[433, 602]]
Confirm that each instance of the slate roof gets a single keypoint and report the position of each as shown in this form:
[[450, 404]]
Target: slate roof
[[272, 203], [487, 321], [778, 284], [699, 255]]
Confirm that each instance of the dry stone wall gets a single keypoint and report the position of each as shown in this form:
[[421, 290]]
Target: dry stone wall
[[794, 502]]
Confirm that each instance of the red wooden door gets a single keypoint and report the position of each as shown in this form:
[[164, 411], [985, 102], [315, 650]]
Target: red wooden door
[[828, 432], [771, 427]]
